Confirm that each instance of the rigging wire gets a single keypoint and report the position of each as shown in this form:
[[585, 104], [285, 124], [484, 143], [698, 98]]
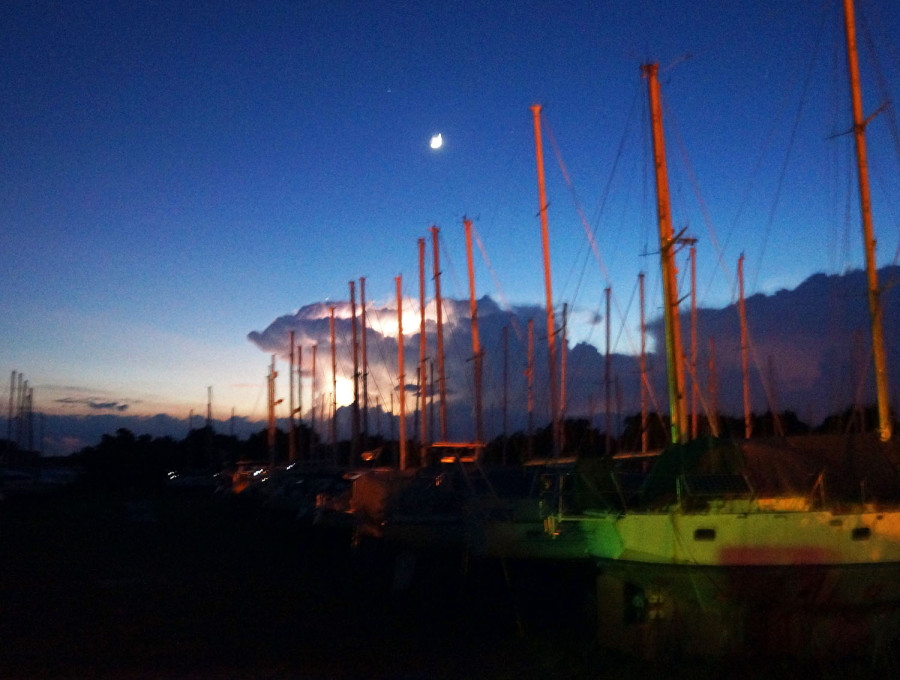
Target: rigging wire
[[590, 237], [504, 302], [450, 319], [701, 202], [342, 358], [840, 209], [489, 378], [578, 207], [382, 338], [807, 81], [884, 93], [622, 316], [620, 152], [253, 411]]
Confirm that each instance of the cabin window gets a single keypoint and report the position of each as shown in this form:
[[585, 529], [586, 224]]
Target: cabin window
[[704, 534], [861, 534]]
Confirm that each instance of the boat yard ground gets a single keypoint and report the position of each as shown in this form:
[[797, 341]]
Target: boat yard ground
[[189, 584]]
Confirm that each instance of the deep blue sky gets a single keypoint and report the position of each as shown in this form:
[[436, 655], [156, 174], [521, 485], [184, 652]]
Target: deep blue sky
[[175, 175]]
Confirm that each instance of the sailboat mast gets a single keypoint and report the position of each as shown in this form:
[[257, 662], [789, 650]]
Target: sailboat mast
[[354, 431], [607, 377], [667, 243], [562, 378], [300, 395], [505, 389], [270, 439], [30, 419], [643, 368], [333, 391], [530, 373], [545, 242], [695, 391], [713, 389], [423, 382], [312, 398], [20, 404], [476, 344], [442, 383], [400, 365], [365, 362], [859, 130], [292, 434], [745, 371], [12, 398]]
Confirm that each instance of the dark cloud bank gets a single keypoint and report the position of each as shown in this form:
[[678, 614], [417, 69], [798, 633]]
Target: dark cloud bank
[[810, 353]]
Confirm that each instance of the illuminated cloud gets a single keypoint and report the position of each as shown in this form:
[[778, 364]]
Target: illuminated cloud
[[311, 326], [809, 353]]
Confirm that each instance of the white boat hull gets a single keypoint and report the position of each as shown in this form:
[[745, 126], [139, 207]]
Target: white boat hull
[[814, 583]]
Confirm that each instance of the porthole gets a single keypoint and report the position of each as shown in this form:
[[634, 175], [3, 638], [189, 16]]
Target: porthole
[[704, 534], [861, 534]]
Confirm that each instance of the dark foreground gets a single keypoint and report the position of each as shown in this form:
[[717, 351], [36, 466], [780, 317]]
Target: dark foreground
[[186, 584]]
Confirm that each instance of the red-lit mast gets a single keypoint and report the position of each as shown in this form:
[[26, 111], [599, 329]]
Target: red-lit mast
[[548, 288], [667, 243]]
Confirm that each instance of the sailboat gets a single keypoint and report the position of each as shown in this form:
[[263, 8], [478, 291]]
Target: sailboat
[[455, 501], [743, 547]]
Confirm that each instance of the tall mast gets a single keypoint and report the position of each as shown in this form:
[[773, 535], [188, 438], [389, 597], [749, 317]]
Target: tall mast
[[431, 397], [667, 243], [20, 396], [476, 344], [643, 368], [400, 365], [312, 398], [530, 373], [365, 362], [545, 241], [713, 389], [30, 418], [505, 390], [292, 434], [695, 392], [442, 383], [607, 378], [300, 393], [859, 130], [271, 410], [354, 437], [562, 377], [12, 398], [745, 372], [423, 382], [333, 391]]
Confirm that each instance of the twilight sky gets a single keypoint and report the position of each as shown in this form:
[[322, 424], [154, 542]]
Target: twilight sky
[[178, 175]]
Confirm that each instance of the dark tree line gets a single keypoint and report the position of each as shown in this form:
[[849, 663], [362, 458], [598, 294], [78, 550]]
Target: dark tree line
[[128, 461], [124, 460]]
